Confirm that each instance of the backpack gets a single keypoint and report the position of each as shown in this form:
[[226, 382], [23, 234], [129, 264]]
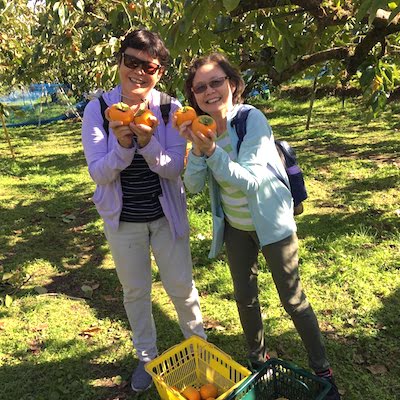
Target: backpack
[[287, 154], [165, 107]]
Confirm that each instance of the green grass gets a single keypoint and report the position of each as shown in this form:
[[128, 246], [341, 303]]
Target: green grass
[[56, 342]]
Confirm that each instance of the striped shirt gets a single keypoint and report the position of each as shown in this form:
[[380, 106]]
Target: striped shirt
[[234, 201], [140, 190]]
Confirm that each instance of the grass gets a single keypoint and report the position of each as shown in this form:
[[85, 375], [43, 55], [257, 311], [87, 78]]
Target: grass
[[63, 329]]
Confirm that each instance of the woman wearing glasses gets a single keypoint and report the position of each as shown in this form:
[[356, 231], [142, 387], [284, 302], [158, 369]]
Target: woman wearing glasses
[[252, 209], [140, 196]]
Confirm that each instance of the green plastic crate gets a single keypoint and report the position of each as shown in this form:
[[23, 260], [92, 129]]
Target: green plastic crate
[[281, 379]]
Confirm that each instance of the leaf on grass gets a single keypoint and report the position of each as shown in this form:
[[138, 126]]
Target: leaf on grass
[[39, 328], [35, 346], [200, 236], [358, 359], [213, 324], [90, 332], [108, 297], [7, 276], [95, 286], [2, 325], [40, 290], [87, 290], [377, 369]]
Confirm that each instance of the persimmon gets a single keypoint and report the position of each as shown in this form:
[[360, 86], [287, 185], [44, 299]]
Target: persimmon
[[143, 117], [132, 6], [208, 390], [203, 124], [121, 112], [191, 393], [185, 113]]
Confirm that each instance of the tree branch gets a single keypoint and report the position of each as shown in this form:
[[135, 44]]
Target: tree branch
[[336, 53]]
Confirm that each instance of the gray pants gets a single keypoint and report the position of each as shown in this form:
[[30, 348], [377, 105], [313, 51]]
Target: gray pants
[[282, 259]]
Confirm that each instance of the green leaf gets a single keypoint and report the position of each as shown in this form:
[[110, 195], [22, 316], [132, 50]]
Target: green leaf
[[230, 5], [8, 301], [40, 290], [393, 14], [363, 10]]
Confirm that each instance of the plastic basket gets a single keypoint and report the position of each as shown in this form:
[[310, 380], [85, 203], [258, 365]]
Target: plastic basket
[[195, 362], [280, 379]]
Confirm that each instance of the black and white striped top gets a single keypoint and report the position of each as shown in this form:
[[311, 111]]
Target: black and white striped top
[[140, 190]]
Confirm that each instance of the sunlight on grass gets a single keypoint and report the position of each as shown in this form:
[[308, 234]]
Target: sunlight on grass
[[65, 345]]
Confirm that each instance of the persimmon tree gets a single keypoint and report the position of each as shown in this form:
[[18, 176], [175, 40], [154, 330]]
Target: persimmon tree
[[276, 41]]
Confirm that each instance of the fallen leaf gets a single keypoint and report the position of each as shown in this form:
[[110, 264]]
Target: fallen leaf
[[377, 369], [39, 327], [358, 359], [2, 325], [108, 297], [87, 290], [90, 332], [40, 290], [213, 324]]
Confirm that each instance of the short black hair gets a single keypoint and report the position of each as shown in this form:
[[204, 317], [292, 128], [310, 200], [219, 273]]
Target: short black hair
[[150, 42]]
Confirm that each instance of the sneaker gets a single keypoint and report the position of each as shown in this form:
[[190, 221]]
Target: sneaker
[[141, 380], [255, 365], [333, 394]]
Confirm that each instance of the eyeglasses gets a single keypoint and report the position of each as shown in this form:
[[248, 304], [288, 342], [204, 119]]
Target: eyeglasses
[[133, 62], [214, 83]]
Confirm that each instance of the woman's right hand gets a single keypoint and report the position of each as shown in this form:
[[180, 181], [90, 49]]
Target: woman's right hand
[[186, 132], [123, 133]]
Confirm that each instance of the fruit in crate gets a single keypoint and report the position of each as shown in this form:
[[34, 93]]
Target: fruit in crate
[[191, 393], [208, 390]]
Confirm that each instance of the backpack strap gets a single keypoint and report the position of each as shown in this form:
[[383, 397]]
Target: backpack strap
[[239, 123], [165, 106], [103, 107]]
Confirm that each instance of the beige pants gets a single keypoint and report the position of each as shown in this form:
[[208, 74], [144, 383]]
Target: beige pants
[[130, 247]]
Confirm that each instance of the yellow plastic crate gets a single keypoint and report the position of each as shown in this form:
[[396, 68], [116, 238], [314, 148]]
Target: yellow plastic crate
[[195, 362]]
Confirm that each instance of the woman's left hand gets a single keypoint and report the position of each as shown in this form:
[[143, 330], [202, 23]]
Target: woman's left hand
[[205, 143], [143, 132]]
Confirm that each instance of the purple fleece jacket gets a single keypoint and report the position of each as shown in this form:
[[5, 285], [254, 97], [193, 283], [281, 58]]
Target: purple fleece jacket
[[106, 159]]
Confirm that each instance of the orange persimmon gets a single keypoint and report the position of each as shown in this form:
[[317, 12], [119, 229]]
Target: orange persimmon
[[203, 124], [143, 117], [185, 113], [121, 112]]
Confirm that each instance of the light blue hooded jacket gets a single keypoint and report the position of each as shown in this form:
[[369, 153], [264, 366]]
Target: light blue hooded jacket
[[270, 201]]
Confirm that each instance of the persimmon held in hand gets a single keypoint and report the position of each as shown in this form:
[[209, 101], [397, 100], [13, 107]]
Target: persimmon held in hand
[[203, 124], [121, 112], [143, 117], [208, 390], [185, 113], [190, 393]]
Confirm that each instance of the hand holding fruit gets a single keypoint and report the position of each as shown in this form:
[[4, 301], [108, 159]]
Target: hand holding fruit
[[145, 123], [204, 130], [120, 116], [126, 123]]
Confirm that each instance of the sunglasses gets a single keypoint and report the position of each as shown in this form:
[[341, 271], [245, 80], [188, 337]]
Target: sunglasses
[[133, 62], [214, 83]]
